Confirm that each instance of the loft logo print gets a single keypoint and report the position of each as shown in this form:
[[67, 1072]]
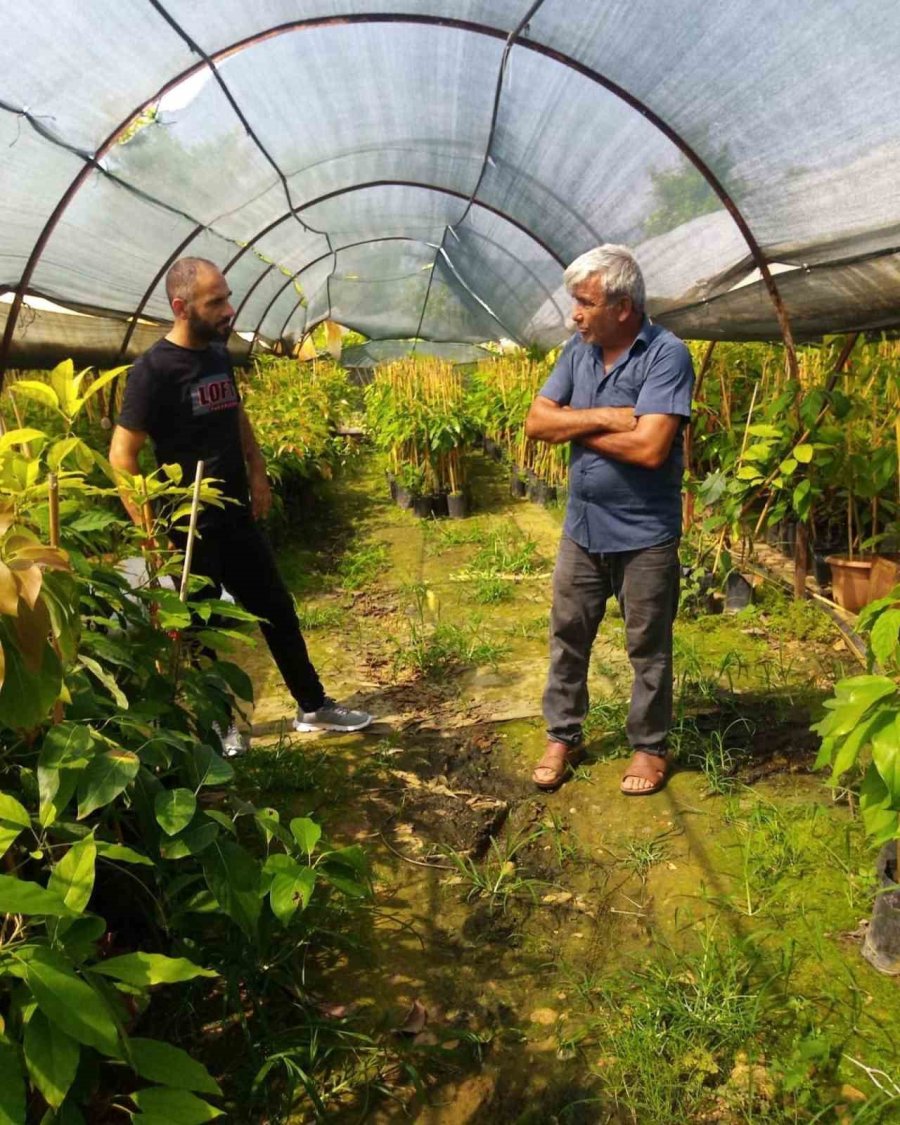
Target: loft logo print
[[215, 392]]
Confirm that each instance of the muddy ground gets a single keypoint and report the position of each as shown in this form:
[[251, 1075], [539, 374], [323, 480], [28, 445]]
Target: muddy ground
[[511, 925]]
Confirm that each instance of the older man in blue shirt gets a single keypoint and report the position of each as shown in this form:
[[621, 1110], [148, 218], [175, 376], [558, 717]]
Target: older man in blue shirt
[[621, 394]]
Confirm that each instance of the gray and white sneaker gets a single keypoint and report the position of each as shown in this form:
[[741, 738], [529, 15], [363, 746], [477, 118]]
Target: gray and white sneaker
[[232, 741], [331, 716]]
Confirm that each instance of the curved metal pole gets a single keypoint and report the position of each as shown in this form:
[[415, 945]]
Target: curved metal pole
[[409, 18], [396, 183]]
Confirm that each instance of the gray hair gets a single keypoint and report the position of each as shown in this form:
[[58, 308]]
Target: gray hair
[[182, 277], [619, 273]]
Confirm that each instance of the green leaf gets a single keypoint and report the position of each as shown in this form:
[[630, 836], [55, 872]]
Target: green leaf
[[174, 809], [236, 678], [346, 886], [38, 392], [177, 1107], [73, 877], [886, 756], [210, 768], [170, 1066], [787, 466], [885, 636], [879, 819], [105, 678], [51, 1057], [12, 1085], [291, 891], [855, 696], [27, 696], [853, 743], [20, 896], [145, 969], [763, 430], [56, 788], [121, 854], [233, 877], [13, 820], [748, 472], [306, 832], [801, 499], [67, 746], [105, 778], [192, 842], [71, 1003], [803, 453]]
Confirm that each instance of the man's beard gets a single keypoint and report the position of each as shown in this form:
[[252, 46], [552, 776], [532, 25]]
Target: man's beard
[[203, 330]]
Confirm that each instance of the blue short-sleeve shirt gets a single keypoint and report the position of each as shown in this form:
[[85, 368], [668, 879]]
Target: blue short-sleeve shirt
[[614, 506]]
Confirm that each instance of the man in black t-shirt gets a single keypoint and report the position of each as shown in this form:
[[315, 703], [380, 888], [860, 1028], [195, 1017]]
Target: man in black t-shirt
[[182, 395]]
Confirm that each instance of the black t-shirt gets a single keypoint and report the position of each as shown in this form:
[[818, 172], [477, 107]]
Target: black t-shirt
[[187, 401]]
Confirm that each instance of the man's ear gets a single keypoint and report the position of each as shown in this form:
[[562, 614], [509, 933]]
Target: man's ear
[[626, 308], [179, 306]]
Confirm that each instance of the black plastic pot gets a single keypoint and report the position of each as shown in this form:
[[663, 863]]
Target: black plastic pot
[[421, 506], [517, 486], [457, 505], [821, 569], [738, 592], [439, 505], [490, 447], [544, 494], [392, 485], [881, 947], [403, 497]]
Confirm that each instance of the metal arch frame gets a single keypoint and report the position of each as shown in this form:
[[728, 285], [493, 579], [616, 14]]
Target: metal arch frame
[[209, 60], [425, 186]]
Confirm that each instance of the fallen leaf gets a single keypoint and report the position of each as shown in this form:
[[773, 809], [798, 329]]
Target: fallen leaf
[[544, 1016], [415, 1020]]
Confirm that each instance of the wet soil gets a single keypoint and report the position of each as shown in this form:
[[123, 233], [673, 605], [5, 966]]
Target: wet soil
[[496, 903]]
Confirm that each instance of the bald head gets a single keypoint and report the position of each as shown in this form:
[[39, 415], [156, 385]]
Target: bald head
[[181, 280]]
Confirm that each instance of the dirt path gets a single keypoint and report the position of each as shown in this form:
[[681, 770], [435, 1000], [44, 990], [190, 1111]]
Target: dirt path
[[511, 918]]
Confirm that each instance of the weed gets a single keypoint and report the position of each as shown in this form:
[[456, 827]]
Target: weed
[[362, 565], [313, 617], [605, 716], [642, 855], [491, 589], [507, 550], [498, 879]]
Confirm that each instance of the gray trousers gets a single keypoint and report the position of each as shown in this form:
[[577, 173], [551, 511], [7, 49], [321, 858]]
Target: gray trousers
[[645, 583]]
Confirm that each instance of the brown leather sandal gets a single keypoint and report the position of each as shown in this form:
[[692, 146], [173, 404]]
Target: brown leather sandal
[[648, 767], [558, 762]]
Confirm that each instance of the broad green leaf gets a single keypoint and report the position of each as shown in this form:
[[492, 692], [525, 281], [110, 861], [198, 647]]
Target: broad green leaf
[[105, 678], [803, 453], [801, 499], [121, 854], [233, 877], [13, 820], [105, 778], [73, 877], [51, 1057], [67, 746], [174, 809], [346, 886], [56, 788], [38, 392], [177, 1107], [210, 768], [853, 743], [12, 1085], [80, 935], [236, 678], [763, 430], [21, 437], [145, 969], [858, 695], [886, 756], [881, 822], [68, 1001], [758, 452], [353, 857], [291, 891], [885, 636], [748, 472], [100, 381], [20, 896], [170, 1066], [787, 466], [306, 832], [26, 696], [194, 841]]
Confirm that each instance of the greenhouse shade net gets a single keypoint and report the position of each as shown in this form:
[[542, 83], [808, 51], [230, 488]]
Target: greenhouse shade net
[[422, 169]]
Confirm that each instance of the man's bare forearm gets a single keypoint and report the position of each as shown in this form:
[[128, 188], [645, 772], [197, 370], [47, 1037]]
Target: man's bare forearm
[[249, 446], [550, 422]]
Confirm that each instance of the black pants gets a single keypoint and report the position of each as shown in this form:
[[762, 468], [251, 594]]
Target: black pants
[[233, 552], [645, 583]]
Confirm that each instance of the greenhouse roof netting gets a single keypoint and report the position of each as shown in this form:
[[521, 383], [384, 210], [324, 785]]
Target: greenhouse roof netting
[[424, 169]]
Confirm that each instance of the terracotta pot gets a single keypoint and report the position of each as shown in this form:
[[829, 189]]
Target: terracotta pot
[[884, 577], [850, 581]]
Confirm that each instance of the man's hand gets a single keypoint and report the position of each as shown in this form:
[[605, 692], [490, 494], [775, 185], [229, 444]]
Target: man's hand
[[260, 494], [550, 422]]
